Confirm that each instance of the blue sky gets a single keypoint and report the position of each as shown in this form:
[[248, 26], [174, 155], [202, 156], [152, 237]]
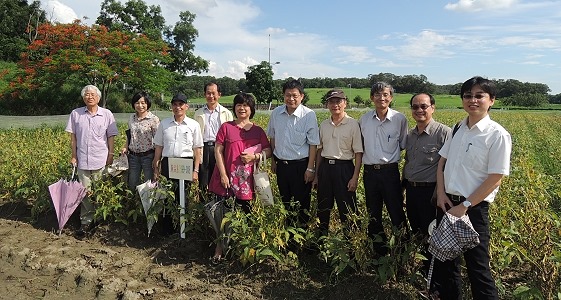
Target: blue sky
[[447, 41]]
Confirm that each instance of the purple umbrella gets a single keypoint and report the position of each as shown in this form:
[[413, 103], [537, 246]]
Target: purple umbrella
[[66, 195]]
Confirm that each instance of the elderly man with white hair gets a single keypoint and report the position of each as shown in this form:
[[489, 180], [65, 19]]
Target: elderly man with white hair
[[92, 132]]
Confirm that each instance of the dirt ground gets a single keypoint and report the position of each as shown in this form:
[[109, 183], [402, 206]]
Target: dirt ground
[[121, 262]]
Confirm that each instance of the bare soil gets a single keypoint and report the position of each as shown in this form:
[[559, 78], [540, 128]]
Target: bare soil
[[121, 262]]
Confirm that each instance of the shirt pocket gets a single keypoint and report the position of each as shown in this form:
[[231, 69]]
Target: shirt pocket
[[297, 137], [430, 154], [475, 157], [99, 129], [390, 144], [346, 141]]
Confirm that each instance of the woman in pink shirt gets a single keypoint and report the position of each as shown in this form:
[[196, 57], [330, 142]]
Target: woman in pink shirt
[[239, 144]]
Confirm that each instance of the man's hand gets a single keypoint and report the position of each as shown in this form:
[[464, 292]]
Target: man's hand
[[353, 184], [458, 211]]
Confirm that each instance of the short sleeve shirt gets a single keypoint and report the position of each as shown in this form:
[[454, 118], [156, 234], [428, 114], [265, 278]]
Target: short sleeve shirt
[[474, 153], [92, 132], [178, 139], [235, 140], [293, 133], [142, 132], [383, 140], [421, 152], [340, 141]]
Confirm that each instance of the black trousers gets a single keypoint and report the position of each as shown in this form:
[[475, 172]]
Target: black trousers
[[207, 166], [420, 213], [166, 221], [290, 180], [383, 186], [332, 185], [447, 275]]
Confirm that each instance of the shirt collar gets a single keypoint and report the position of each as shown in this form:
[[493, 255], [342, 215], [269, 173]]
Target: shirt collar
[[344, 121], [483, 123], [149, 115], [389, 114], [429, 129], [98, 112], [297, 112]]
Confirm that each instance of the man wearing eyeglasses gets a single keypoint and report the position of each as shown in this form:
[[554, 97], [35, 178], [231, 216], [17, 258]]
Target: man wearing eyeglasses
[[421, 159], [477, 157], [384, 131]]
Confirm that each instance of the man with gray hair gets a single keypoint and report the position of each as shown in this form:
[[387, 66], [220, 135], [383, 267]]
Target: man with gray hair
[[384, 133], [92, 134]]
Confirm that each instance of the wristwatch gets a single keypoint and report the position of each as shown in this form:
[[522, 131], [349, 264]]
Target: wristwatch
[[466, 204]]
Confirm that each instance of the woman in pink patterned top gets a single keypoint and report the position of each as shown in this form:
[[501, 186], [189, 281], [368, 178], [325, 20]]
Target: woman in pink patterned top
[[140, 135], [239, 144]]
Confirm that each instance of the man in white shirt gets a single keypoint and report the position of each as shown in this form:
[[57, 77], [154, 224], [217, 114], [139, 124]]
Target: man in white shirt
[[210, 117], [384, 133], [476, 158], [178, 136]]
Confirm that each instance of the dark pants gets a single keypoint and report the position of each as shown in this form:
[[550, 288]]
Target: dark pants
[[420, 213], [447, 275], [290, 180], [383, 186], [207, 166], [332, 185], [166, 221]]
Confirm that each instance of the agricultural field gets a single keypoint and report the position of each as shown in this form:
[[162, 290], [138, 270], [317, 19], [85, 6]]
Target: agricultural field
[[121, 262]]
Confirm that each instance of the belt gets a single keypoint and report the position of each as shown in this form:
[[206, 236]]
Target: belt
[[140, 154], [379, 167], [336, 161], [421, 184], [290, 162], [456, 198], [209, 144]]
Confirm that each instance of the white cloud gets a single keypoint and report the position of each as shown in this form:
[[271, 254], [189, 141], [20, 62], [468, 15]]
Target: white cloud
[[355, 54], [58, 12], [480, 5], [428, 44], [529, 42]]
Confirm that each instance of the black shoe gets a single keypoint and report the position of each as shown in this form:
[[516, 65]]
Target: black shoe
[[84, 230]]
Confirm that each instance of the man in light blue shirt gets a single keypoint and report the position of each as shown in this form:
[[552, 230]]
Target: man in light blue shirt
[[294, 134], [384, 133]]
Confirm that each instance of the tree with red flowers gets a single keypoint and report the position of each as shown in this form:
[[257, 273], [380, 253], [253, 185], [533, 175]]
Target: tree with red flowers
[[92, 55]]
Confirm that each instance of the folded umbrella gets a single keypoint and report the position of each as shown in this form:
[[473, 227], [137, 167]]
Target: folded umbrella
[[215, 211], [119, 165], [150, 193], [450, 239], [66, 196]]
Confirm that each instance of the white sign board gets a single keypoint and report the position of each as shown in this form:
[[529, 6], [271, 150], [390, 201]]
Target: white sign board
[[181, 168]]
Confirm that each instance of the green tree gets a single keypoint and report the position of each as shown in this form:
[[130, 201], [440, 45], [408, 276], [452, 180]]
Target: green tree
[[525, 100], [90, 54], [135, 16], [260, 82], [18, 23], [182, 43], [358, 100]]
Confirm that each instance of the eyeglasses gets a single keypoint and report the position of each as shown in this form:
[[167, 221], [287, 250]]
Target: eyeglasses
[[291, 96], [335, 101], [476, 96], [422, 106], [380, 95]]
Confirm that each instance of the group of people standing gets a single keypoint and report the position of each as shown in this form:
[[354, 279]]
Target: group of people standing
[[327, 157]]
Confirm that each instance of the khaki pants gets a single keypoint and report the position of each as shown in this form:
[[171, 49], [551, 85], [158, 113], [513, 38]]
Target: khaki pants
[[87, 209]]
